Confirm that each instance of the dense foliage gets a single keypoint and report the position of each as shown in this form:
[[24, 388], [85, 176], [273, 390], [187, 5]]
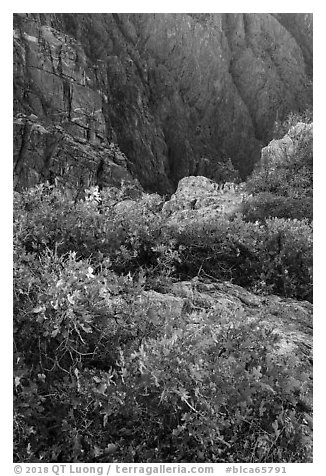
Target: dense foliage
[[99, 376], [273, 257]]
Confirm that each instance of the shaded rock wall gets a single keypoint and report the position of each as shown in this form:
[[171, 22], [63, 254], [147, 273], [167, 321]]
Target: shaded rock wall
[[59, 126], [49, 152], [167, 89]]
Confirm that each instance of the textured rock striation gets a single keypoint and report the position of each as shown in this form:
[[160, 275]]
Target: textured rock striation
[[48, 152], [177, 94]]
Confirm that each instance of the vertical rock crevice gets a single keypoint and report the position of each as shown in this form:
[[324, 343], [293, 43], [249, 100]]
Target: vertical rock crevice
[[167, 89]]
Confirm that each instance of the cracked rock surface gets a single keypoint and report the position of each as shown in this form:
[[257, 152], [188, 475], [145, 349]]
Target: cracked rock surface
[[176, 93]]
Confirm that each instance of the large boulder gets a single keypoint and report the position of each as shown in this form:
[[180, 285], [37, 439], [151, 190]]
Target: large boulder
[[199, 198]]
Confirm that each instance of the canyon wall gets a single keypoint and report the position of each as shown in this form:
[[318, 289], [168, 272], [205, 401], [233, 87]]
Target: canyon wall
[[103, 97]]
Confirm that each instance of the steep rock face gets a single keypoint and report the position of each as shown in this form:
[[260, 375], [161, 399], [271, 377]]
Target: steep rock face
[[49, 152], [301, 27], [168, 89], [59, 127]]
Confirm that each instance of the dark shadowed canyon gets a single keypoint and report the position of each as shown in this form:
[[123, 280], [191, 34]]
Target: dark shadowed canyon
[[104, 97]]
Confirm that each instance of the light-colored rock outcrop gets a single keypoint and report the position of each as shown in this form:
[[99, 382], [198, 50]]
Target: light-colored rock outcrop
[[201, 198], [279, 150], [289, 319]]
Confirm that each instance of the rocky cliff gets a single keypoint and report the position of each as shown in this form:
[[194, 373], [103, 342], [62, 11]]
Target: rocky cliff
[[278, 151], [100, 98]]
